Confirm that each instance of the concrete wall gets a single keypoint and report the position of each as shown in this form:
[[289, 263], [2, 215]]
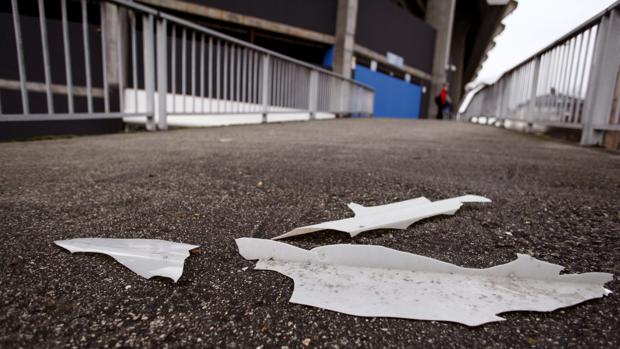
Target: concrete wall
[[317, 15], [382, 26]]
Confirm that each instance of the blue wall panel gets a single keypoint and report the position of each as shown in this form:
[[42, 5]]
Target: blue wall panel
[[394, 97]]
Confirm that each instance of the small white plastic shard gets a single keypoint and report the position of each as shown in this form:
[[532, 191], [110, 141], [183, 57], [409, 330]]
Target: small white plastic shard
[[376, 281], [398, 215], [145, 257]]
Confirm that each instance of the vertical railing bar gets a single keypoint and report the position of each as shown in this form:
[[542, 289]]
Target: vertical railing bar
[[250, 80], [89, 92], [251, 70], [554, 56], [298, 89], [134, 59], [234, 54], [121, 75], [162, 74], [238, 78], [291, 77], [193, 71], [285, 77], [20, 58], [256, 81], [278, 84], [183, 68], [231, 85], [588, 69], [569, 78], [574, 98], [46, 58], [539, 82], [281, 84], [67, 53], [104, 58], [271, 78], [549, 84], [543, 80], [218, 73], [173, 63], [559, 79], [545, 85], [552, 82], [301, 87], [210, 69], [149, 70], [225, 77], [244, 79], [274, 85], [583, 73], [264, 84], [330, 95], [564, 78], [231, 78], [202, 73], [297, 86]]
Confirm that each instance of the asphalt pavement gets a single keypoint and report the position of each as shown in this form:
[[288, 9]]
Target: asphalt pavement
[[559, 202]]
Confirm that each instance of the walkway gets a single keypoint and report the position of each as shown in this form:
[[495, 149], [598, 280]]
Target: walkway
[[560, 202]]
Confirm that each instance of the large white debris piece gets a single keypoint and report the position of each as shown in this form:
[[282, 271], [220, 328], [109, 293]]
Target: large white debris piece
[[145, 257], [374, 281], [398, 215]]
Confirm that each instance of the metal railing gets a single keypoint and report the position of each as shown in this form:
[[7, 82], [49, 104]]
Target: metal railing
[[572, 83], [136, 61]]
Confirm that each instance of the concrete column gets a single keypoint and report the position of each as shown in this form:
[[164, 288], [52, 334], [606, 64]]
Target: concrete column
[[597, 107], [440, 15], [116, 54], [346, 19], [457, 58]]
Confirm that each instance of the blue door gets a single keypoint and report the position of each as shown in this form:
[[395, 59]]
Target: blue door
[[394, 98]]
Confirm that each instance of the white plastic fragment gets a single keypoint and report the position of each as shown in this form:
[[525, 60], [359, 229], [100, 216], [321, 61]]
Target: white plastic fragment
[[398, 215], [366, 280], [145, 257]]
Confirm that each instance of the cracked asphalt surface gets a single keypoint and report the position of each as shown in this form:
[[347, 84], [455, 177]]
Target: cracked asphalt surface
[[560, 202]]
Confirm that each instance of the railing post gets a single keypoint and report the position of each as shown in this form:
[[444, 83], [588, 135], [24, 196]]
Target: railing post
[[21, 65], [265, 85], [162, 74], [602, 80], [313, 93], [149, 70], [532, 102]]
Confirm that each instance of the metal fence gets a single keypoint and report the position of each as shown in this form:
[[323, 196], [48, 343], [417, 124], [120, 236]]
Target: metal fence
[[135, 61], [572, 83]]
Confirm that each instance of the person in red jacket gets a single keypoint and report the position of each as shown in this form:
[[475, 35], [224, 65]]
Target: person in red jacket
[[443, 103]]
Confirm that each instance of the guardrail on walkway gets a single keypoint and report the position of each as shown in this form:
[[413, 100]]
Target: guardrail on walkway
[[572, 83], [138, 61]]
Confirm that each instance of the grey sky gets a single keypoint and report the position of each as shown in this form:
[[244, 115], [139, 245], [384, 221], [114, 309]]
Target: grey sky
[[532, 26]]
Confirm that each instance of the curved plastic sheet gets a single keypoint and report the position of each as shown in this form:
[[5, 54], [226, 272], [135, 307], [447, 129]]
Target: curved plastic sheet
[[398, 215], [373, 281], [145, 257]]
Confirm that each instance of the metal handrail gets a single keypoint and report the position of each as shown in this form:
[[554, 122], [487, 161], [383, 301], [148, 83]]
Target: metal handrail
[[240, 77], [220, 35], [571, 83]]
